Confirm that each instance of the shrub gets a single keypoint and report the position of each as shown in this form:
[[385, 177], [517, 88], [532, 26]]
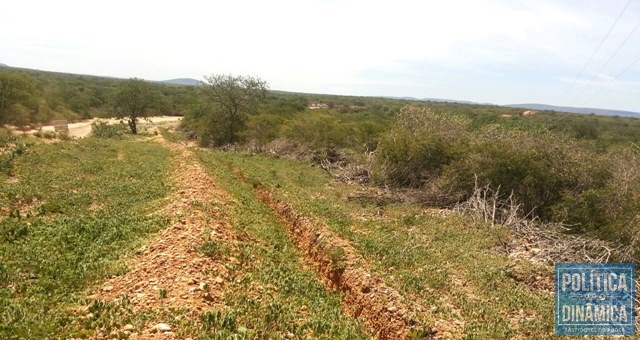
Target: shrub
[[317, 131], [416, 149], [105, 130], [263, 128], [6, 137], [7, 157], [610, 207], [538, 168], [556, 177], [337, 259]]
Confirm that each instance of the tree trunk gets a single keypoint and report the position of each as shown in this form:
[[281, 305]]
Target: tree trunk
[[132, 125]]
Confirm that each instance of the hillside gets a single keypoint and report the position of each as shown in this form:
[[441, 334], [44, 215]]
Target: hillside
[[202, 242], [198, 248], [355, 217], [56, 95]]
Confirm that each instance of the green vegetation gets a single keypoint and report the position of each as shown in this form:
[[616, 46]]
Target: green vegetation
[[106, 130], [43, 96], [270, 266], [16, 95], [11, 146], [225, 104], [134, 100], [567, 168], [553, 176], [68, 213], [447, 265], [75, 210]]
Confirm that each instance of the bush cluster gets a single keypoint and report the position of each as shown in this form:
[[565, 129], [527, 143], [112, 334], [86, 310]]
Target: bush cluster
[[555, 176], [105, 130], [6, 137]]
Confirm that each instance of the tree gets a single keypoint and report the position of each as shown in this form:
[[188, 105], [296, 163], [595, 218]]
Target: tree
[[134, 99], [15, 89], [229, 101]]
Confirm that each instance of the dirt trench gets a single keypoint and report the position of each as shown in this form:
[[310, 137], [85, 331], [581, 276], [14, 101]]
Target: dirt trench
[[340, 268]]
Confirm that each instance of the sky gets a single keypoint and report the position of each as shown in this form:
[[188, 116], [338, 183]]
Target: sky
[[501, 52]]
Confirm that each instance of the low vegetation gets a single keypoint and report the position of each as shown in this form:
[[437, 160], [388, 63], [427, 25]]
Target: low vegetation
[[106, 130], [297, 305], [31, 97], [547, 162], [411, 189], [553, 176], [446, 265], [11, 146], [69, 211]]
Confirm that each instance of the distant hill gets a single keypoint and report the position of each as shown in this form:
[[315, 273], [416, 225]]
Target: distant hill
[[3, 65], [539, 107], [582, 110], [182, 81], [440, 100]]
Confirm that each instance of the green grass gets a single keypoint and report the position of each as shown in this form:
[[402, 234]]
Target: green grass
[[447, 265], [275, 293], [68, 213]]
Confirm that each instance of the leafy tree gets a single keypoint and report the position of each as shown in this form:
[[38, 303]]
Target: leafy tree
[[15, 88], [229, 100], [133, 100]]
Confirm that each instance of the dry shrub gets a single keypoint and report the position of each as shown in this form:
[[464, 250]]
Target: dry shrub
[[287, 149], [348, 168], [539, 168], [541, 242]]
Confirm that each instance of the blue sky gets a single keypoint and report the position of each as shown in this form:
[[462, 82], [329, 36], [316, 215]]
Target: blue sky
[[486, 51]]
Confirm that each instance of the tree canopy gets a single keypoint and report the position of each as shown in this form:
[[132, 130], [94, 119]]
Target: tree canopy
[[228, 100], [134, 99], [15, 89]]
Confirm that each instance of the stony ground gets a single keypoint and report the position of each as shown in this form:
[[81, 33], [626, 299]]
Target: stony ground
[[170, 272]]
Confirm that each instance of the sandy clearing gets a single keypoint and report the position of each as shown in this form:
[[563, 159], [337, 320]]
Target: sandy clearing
[[81, 129]]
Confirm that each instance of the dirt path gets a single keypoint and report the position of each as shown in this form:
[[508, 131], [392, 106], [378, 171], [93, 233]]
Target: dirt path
[[170, 272]]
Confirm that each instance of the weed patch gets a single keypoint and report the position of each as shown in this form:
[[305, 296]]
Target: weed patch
[[446, 265], [53, 251]]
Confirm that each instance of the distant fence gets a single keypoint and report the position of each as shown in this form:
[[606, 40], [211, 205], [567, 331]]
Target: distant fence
[[60, 125]]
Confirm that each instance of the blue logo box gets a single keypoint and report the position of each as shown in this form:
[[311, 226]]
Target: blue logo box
[[595, 299]]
